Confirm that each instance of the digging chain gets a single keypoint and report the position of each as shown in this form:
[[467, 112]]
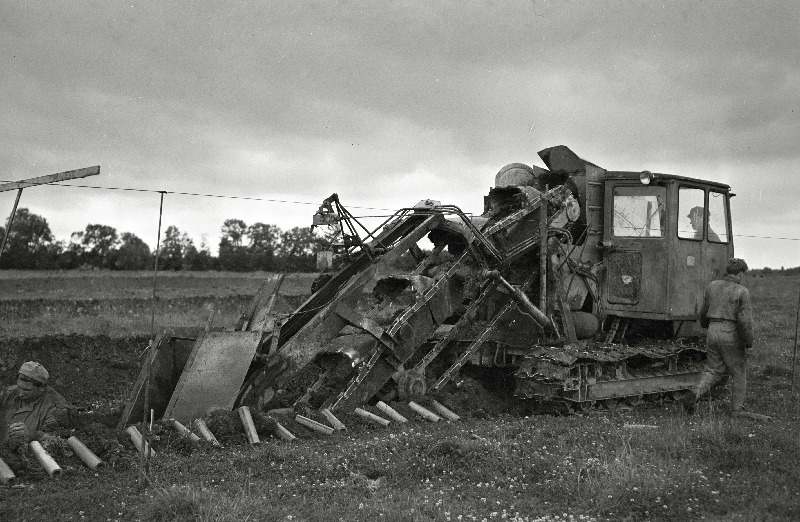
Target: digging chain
[[427, 296], [462, 322], [489, 330], [448, 374], [362, 373]]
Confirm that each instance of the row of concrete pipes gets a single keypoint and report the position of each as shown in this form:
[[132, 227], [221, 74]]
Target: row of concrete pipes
[[49, 464], [93, 462], [200, 428]]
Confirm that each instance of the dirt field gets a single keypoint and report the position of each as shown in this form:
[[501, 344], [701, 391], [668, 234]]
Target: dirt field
[[651, 463]]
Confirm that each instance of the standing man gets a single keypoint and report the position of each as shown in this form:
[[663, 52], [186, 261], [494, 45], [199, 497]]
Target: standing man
[[30, 408], [728, 315]]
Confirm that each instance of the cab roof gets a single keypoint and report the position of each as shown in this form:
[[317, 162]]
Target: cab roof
[[660, 177]]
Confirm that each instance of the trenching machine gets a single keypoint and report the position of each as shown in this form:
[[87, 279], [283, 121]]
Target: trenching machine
[[583, 285]]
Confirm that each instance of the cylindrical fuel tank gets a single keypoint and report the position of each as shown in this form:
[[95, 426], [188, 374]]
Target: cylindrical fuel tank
[[514, 175]]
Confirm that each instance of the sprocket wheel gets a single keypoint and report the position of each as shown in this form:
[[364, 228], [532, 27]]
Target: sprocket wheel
[[411, 384]]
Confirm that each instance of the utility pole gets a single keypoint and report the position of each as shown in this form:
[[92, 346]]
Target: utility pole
[[41, 180], [796, 326]]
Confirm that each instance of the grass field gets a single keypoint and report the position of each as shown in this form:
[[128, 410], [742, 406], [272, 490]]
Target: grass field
[[649, 463]]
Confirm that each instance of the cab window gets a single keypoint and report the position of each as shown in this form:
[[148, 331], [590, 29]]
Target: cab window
[[639, 211], [691, 213], [717, 217]]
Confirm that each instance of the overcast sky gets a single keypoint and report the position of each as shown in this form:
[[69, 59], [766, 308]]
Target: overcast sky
[[387, 103]]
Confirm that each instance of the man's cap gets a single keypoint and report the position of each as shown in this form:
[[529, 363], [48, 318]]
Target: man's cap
[[735, 265], [695, 211], [34, 370]]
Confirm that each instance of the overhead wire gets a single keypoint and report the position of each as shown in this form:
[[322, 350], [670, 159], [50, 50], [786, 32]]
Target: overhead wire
[[200, 194], [291, 202], [768, 237]]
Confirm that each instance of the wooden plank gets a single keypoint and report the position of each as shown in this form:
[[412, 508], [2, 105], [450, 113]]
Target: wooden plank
[[133, 406], [51, 178]]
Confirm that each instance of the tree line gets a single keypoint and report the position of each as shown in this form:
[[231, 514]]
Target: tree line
[[774, 271], [32, 246]]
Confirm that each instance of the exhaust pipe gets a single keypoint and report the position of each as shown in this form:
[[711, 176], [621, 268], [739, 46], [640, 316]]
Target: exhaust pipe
[[519, 296]]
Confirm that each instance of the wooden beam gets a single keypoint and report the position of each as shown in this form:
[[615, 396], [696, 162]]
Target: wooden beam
[[52, 178]]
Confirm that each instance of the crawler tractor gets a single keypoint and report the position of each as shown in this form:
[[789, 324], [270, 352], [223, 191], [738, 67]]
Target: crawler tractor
[[581, 285]]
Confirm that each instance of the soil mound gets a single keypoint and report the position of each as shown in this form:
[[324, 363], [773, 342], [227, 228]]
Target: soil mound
[[92, 373]]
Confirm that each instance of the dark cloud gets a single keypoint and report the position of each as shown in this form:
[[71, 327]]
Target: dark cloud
[[389, 103]]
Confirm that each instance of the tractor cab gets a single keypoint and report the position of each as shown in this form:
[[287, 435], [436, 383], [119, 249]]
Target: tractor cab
[[665, 237]]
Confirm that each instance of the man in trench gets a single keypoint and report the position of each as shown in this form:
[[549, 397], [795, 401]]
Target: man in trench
[[728, 315], [30, 410]]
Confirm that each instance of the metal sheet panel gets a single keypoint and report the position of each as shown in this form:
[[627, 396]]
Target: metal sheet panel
[[259, 314], [173, 347], [213, 374]]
